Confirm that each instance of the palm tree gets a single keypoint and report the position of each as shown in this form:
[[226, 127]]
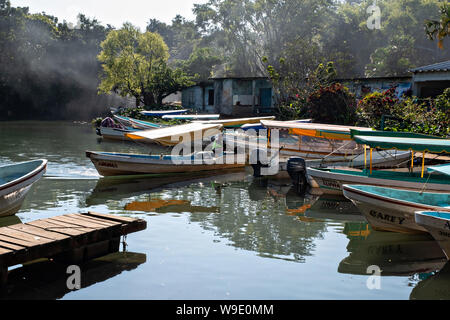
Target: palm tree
[[441, 28]]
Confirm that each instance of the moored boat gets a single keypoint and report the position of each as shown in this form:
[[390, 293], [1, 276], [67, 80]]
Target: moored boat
[[192, 117], [235, 123], [330, 180], [170, 136], [115, 164], [160, 113], [16, 181], [438, 225], [143, 125], [392, 209]]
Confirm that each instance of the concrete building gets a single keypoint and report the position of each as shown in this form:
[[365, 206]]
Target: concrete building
[[431, 80], [363, 86], [233, 96], [199, 98]]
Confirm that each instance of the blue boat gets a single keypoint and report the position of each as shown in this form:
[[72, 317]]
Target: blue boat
[[16, 181]]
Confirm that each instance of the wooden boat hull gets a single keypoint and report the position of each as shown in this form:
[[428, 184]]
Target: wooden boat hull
[[13, 192], [393, 212], [438, 225], [331, 181], [110, 164]]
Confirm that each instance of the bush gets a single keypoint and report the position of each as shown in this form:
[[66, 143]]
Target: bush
[[431, 116], [333, 104], [371, 109]]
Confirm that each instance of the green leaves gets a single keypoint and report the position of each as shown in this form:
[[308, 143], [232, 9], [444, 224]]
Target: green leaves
[[135, 64]]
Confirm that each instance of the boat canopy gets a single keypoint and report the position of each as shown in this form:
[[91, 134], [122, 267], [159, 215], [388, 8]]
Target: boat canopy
[[445, 169], [235, 122], [391, 134], [325, 131], [172, 131], [413, 144]]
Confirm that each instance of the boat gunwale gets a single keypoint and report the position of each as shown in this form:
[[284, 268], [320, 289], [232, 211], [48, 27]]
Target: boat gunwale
[[423, 207], [28, 176]]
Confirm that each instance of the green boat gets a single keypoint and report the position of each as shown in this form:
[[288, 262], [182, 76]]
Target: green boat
[[331, 180]]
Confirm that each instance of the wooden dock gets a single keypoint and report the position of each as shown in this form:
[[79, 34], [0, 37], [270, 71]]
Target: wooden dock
[[72, 238]]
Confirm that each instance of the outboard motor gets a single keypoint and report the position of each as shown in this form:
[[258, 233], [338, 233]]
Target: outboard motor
[[258, 164], [296, 168]]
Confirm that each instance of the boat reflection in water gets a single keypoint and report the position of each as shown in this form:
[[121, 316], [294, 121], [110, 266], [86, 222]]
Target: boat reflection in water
[[47, 280], [168, 206], [9, 221], [119, 188], [334, 207], [396, 254], [435, 287]]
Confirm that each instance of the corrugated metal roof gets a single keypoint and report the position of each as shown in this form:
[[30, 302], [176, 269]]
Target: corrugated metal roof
[[437, 67]]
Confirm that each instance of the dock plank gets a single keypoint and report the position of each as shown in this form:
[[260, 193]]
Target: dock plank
[[19, 235], [56, 228], [70, 224], [81, 223], [92, 219], [39, 232], [110, 217], [4, 251], [15, 241], [11, 246]]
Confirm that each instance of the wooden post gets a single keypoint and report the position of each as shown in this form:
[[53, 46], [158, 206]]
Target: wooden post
[[412, 160], [365, 157], [3, 275], [371, 164], [423, 164]]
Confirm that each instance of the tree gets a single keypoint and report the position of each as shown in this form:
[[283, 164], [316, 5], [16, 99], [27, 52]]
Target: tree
[[135, 64], [201, 63], [439, 28]]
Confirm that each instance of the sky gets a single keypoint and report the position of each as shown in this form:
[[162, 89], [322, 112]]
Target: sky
[[114, 12]]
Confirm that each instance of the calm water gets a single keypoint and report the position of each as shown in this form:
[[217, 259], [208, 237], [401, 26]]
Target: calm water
[[226, 236]]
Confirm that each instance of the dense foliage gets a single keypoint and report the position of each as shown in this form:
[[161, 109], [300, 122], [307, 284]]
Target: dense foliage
[[135, 64], [429, 116], [50, 70]]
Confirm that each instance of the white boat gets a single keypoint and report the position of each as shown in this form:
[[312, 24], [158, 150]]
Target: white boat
[[115, 133], [171, 136], [235, 123], [16, 181], [160, 113], [192, 117], [438, 225], [392, 209], [115, 164]]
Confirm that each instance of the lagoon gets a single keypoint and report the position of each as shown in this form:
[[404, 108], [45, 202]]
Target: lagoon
[[226, 236]]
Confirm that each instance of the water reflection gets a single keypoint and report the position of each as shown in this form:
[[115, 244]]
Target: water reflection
[[9, 221], [260, 225], [335, 208], [435, 287], [111, 188], [395, 253], [46, 280]]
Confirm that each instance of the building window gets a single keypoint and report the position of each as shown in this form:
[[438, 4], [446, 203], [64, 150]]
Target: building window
[[210, 97]]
